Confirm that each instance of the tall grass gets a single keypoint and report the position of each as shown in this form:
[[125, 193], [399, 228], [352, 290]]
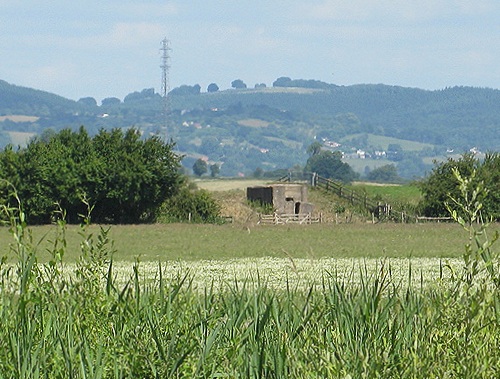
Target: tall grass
[[84, 324]]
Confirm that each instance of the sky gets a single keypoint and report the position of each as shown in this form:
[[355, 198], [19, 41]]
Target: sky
[[109, 48]]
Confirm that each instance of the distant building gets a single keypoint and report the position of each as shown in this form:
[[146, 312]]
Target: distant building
[[285, 198]]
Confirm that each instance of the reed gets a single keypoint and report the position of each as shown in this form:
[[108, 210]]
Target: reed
[[88, 324]]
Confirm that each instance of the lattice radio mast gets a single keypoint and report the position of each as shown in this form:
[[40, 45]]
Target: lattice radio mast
[[165, 84]]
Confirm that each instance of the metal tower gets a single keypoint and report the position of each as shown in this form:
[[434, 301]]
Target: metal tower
[[165, 84]]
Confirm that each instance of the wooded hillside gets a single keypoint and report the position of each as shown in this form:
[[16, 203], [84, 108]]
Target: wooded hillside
[[269, 128]]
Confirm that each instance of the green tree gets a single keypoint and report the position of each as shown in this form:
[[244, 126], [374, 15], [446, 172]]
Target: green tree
[[186, 90], [441, 185], [200, 167], [282, 81], [314, 148], [214, 170], [212, 87], [124, 178], [395, 152], [384, 174], [238, 83], [110, 101], [140, 175], [88, 101], [329, 165], [190, 205]]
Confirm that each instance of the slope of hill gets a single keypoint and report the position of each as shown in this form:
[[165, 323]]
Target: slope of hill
[[270, 128], [15, 100]]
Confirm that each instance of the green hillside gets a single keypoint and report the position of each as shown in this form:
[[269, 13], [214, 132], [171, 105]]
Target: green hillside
[[270, 128], [383, 142]]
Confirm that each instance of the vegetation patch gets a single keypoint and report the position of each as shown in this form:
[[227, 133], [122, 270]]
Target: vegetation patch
[[254, 123], [19, 118], [392, 194], [383, 142], [285, 317]]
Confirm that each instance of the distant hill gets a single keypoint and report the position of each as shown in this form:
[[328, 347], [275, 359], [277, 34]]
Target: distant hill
[[458, 116], [15, 100], [269, 128]]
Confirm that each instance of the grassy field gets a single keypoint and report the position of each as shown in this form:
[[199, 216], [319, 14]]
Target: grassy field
[[353, 300], [408, 193], [359, 165], [193, 242], [217, 185], [383, 142]]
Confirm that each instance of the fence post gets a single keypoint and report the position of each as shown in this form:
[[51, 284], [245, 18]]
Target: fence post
[[314, 179]]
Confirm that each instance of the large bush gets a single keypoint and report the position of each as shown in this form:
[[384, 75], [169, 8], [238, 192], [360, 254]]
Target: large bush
[[190, 204], [123, 177], [441, 185]]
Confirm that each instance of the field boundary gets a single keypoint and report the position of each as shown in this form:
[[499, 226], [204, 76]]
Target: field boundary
[[292, 218]]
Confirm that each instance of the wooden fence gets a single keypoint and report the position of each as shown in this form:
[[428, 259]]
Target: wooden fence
[[378, 210], [300, 218], [354, 197]]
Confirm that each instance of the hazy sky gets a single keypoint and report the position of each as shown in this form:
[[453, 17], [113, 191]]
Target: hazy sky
[[112, 47]]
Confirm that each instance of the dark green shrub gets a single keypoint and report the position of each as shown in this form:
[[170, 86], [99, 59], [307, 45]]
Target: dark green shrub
[[192, 205]]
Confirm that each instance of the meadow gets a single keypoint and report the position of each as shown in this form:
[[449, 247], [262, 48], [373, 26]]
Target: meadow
[[355, 300], [189, 242]]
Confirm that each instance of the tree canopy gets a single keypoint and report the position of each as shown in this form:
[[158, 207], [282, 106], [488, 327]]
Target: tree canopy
[[441, 186], [123, 177], [238, 83], [200, 167], [212, 87], [384, 174], [329, 165]]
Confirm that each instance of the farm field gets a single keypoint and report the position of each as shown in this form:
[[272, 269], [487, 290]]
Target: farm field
[[217, 185], [172, 242], [408, 193], [383, 142]]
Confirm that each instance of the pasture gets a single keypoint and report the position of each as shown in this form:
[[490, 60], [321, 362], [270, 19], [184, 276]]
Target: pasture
[[391, 193], [190, 242]]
